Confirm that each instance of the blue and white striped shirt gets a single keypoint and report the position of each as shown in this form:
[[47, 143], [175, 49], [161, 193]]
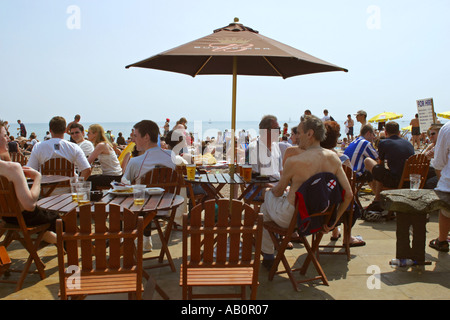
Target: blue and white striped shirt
[[357, 151]]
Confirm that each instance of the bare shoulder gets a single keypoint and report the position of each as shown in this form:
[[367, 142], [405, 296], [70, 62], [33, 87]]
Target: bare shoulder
[[9, 169]]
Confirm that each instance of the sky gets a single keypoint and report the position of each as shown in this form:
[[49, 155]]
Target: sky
[[61, 57]]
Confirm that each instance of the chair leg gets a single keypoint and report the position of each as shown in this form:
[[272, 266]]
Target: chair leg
[[312, 256], [281, 248], [164, 248], [33, 256]]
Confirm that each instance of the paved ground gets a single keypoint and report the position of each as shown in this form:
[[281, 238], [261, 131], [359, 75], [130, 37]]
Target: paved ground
[[367, 276]]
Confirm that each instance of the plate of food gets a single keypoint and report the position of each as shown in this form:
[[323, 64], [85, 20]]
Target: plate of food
[[121, 188], [153, 191]]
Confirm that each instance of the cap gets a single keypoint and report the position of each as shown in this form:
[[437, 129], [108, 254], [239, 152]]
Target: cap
[[361, 112]]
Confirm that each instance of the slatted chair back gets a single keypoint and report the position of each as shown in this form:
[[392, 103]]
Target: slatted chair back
[[417, 163], [18, 157], [221, 249], [162, 177], [58, 166], [10, 208], [168, 179], [108, 260]]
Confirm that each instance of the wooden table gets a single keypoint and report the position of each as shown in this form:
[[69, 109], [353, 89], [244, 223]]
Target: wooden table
[[412, 207], [63, 203], [51, 181], [213, 183]]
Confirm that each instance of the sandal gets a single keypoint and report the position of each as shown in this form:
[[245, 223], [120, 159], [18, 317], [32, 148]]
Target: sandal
[[439, 245], [358, 242], [335, 238]]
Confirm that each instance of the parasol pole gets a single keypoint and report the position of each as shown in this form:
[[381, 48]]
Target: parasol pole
[[233, 126]]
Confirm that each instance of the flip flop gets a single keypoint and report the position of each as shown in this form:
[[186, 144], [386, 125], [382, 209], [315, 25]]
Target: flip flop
[[335, 238], [358, 244]]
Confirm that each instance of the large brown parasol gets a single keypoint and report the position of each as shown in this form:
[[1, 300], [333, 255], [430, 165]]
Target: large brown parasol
[[237, 50]]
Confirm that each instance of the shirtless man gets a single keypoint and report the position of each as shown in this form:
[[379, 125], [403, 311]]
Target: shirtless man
[[279, 202], [415, 131]]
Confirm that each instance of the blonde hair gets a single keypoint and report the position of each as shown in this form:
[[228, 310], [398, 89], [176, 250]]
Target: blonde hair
[[101, 137]]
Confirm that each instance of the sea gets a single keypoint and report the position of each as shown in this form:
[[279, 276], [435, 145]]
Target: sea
[[202, 129]]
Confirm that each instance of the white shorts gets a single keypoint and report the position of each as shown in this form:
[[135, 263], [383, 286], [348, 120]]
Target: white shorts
[[277, 209]]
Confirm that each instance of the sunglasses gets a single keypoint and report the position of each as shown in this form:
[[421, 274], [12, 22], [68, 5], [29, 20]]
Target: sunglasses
[[76, 132], [432, 133]]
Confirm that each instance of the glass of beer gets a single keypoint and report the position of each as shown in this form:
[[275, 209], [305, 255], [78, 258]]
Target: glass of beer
[[83, 193], [247, 172], [190, 170], [74, 181], [139, 194]]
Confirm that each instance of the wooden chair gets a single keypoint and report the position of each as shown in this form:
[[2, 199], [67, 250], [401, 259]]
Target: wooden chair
[[57, 166], [282, 236], [9, 207], [417, 163], [166, 178], [225, 252], [18, 157], [347, 219], [114, 267]]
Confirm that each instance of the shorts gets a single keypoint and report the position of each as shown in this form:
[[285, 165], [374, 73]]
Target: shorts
[[35, 218], [366, 176], [415, 131], [277, 209], [350, 131], [383, 175]]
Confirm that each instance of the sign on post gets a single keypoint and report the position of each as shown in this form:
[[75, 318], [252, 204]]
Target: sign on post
[[425, 109]]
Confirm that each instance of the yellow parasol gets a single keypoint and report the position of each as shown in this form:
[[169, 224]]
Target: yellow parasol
[[408, 128], [385, 116], [445, 115]]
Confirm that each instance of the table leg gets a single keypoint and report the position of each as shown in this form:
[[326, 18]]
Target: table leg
[[404, 250]]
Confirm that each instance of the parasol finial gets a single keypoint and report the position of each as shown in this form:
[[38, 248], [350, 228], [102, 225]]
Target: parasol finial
[[236, 19]]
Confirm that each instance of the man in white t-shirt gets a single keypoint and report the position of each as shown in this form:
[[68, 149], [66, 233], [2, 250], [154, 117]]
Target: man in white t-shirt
[[57, 147], [77, 134]]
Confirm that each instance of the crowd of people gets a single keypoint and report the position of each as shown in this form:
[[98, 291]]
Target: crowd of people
[[276, 152]]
